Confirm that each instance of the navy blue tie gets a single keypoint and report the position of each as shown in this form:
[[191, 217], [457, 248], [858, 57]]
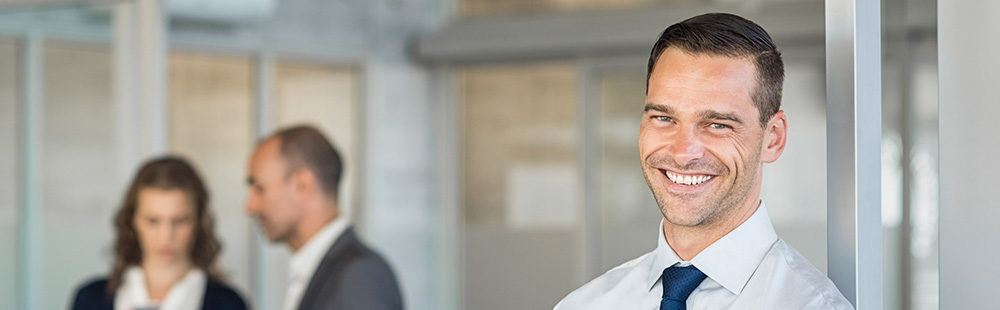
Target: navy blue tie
[[678, 283]]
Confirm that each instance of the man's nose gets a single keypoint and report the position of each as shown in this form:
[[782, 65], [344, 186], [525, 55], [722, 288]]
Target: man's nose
[[685, 146], [250, 206]]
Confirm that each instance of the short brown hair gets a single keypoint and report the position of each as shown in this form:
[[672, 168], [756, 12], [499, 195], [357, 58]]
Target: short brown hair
[[304, 146], [169, 172], [732, 36]]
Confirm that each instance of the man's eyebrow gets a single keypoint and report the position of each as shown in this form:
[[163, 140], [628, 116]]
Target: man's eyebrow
[[657, 107], [251, 181], [716, 115]]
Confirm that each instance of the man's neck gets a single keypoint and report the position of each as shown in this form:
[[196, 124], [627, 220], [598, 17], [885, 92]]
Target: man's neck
[[310, 226], [688, 241]]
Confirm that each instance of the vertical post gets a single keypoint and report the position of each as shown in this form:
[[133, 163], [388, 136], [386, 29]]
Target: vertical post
[[140, 82], [152, 63], [449, 164], [124, 89], [263, 286], [854, 227], [29, 224], [590, 168]]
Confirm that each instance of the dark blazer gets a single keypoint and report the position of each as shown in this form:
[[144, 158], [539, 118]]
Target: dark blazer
[[94, 296], [351, 276]]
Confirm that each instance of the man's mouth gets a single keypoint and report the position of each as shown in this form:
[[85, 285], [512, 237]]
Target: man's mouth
[[687, 179]]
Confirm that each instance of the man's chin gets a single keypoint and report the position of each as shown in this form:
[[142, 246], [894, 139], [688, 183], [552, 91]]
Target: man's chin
[[685, 220], [685, 212]]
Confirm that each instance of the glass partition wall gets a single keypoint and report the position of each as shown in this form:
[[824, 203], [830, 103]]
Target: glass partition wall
[[66, 237]]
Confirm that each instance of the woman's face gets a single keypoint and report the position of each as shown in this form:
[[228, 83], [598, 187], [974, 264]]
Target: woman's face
[[165, 221]]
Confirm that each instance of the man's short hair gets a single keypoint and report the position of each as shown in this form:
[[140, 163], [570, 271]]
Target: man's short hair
[[304, 146], [723, 34]]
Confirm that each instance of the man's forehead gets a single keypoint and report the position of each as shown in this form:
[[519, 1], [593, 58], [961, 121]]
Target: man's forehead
[[265, 159], [681, 78], [674, 53], [266, 150], [702, 111]]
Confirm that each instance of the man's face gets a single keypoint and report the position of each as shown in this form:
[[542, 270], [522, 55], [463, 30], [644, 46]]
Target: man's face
[[271, 198], [700, 139]]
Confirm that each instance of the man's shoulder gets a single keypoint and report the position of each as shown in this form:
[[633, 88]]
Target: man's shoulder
[[355, 277], [795, 279], [609, 288], [357, 258]]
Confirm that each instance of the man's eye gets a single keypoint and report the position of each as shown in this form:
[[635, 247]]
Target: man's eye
[[663, 118], [718, 126]]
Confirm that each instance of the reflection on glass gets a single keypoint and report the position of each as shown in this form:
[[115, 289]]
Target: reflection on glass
[[629, 214], [326, 97], [8, 172], [473, 8], [78, 194], [910, 155], [794, 187], [523, 206], [210, 123]]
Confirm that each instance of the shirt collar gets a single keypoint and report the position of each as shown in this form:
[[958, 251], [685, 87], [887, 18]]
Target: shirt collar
[[186, 293], [731, 260], [303, 262]]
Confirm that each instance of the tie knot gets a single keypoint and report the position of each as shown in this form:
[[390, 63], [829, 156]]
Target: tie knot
[[679, 282]]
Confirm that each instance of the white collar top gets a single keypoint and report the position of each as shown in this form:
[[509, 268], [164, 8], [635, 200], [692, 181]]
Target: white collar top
[[748, 268], [186, 294], [304, 262]]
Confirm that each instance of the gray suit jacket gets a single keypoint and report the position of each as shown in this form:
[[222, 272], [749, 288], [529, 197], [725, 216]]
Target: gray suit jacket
[[351, 276]]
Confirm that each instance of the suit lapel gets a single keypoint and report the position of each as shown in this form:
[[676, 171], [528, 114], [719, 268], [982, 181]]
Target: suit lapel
[[329, 268]]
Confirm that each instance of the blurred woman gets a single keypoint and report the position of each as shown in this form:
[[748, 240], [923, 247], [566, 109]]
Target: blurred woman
[[165, 247]]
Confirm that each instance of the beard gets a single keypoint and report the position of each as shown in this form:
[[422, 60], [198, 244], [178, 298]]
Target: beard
[[728, 189]]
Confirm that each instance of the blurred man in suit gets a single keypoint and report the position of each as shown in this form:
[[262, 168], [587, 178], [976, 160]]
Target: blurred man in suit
[[293, 180]]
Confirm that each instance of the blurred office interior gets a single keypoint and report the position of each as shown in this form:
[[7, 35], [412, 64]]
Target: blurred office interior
[[490, 144]]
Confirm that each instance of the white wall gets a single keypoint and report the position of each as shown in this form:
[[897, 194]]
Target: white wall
[[969, 71]]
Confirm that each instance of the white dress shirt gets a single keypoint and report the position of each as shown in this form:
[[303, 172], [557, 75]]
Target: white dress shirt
[[748, 268], [304, 262], [186, 294]]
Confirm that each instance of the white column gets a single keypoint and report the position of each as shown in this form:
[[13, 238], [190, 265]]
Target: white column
[[139, 82], [268, 260], [30, 224], [854, 130], [968, 107]]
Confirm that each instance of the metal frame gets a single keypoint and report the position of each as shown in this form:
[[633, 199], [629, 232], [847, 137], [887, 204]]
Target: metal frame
[[588, 168], [263, 123], [854, 120], [31, 127], [450, 165]]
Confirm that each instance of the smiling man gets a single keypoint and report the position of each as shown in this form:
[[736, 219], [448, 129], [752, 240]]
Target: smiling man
[[712, 118]]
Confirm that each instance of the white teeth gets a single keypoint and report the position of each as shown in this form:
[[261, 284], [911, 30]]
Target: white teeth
[[688, 179]]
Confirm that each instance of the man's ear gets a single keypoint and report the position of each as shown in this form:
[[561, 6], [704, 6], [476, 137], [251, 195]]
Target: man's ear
[[775, 136], [305, 181]]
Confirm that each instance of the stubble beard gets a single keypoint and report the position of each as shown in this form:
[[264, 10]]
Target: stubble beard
[[716, 204]]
